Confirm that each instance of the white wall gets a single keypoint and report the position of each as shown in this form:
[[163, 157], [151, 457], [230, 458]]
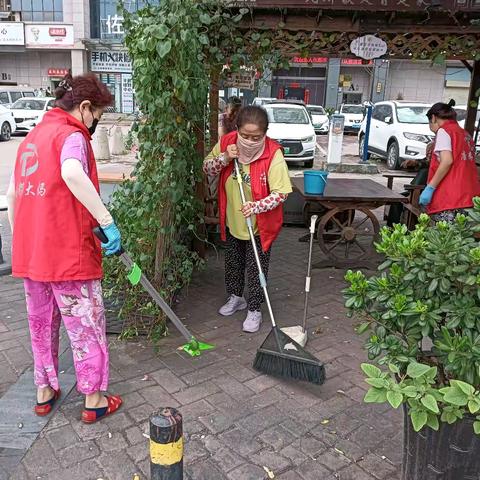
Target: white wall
[[416, 81], [31, 67], [360, 79]]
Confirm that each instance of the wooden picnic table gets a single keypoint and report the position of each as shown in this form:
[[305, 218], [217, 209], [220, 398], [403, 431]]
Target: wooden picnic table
[[348, 228], [392, 174]]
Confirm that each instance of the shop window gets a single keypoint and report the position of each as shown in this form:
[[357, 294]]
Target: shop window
[[4, 97], [39, 10]]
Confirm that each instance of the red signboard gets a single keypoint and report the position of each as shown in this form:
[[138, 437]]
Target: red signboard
[[355, 61], [57, 72], [310, 60], [57, 32], [345, 61]]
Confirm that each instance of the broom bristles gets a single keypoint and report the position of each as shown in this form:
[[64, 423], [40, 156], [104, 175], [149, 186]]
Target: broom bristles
[[275, 365]]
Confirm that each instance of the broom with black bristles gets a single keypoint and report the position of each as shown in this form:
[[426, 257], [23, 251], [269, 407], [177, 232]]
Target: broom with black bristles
[[279, 355]]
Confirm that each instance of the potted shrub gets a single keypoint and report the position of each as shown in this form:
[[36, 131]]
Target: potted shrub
[[422, 316]]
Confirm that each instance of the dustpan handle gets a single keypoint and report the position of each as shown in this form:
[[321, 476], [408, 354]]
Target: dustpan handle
[[261, 275]]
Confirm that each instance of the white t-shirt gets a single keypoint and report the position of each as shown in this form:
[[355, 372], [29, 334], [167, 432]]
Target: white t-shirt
[[443, 142]]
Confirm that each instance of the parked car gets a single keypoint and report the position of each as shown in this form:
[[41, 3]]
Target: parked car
[[291, 126], [320, 119], [398, 131], [9, 95], [28, 112], [353, 117], [259, 101], [7, 124]]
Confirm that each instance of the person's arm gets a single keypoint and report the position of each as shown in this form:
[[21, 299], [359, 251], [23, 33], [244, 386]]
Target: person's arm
[[84, 191], [280, 187], [446, 162], [11, 201], [216, 161]]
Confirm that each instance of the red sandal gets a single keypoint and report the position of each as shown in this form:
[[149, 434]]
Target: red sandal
[[92, 415], [44, 408]]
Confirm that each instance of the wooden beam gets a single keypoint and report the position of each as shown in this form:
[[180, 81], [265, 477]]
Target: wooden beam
[[472, 105], [214, 108]]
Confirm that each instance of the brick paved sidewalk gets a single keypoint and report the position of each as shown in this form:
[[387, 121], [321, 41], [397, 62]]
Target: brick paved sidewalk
[[236, 421]]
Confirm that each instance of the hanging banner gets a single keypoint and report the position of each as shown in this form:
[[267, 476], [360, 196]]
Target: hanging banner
[[368, 47], [242, 79], [47, 36], [127, 93]]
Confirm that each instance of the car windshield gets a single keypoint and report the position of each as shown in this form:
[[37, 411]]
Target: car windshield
[[316, 110], [412, 114], [26, 104], [287, 115], [355, 109]]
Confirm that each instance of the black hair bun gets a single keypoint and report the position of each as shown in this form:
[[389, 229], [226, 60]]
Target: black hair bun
[[64, 86], [451, 103]]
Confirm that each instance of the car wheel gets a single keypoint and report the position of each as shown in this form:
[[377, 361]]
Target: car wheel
[[361, 146], [309, 164], [393, 156], [5, 132]]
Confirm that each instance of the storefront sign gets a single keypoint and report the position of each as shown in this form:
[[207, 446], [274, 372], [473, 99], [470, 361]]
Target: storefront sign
[[58, 72], [49, 36], [11, 33], [112, 26], [110, 61], [127, 93], [368, 47], [310, 60]]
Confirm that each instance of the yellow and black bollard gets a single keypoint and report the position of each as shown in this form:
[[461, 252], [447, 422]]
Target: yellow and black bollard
[[166, 445]]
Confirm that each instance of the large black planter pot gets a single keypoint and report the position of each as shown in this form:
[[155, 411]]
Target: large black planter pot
[[452, 453]]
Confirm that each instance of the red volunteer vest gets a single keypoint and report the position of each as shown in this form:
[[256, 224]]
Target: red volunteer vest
[[269, 223], [461, 183], [52, 235]]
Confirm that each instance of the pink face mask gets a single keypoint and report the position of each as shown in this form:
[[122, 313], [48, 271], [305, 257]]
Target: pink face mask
[[249, 151]]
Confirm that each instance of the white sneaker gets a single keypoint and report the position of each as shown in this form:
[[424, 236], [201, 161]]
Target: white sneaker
[[234, 304], [252, 322]]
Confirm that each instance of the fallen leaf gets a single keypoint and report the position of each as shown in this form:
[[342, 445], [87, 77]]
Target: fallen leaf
[[339, 451], [326, 318], [145, 378], [136, 477], [317, 331], [324, 422], [146, 435], [110, 435], [341, 392], [269, 472]]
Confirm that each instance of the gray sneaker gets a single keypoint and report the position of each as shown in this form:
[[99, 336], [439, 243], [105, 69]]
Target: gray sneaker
[[234, 304], [252, 322]]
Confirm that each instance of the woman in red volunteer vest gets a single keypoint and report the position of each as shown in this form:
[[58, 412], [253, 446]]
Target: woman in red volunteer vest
[[53, 206], [452, 177], [266, 183]]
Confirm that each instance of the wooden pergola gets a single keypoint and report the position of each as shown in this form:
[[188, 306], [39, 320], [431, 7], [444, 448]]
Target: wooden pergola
[[434, 30]]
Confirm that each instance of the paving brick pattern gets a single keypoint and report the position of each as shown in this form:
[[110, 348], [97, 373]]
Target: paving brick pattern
[[236, 421]]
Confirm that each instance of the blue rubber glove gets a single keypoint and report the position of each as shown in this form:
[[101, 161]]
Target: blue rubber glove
[[114, 239], [426, 196]]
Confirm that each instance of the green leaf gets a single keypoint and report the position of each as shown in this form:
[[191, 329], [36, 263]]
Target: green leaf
[[363, 327], [464, 387], [409, 391], [476, 427], [433, 285], [206, 19], [163, 48], [371, 370], [395, 399], [375, 395], [376, 382], [474, 406], [415, 370], [432, 422], [429, 402], [439, 59], [393, 368], [419, 419], [454, 396]]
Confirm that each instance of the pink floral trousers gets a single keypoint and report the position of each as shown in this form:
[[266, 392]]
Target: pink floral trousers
[[80, 304]]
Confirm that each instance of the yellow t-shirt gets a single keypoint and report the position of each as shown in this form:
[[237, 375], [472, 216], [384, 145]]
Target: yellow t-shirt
[[278, 181]]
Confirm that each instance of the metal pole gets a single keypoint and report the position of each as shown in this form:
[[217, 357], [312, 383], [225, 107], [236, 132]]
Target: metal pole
[[367, 134], [166, 445]]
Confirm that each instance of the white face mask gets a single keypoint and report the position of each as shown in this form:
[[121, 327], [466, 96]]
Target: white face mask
[[249, 151]]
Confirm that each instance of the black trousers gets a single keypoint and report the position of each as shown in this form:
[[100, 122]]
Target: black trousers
[[239, 256]]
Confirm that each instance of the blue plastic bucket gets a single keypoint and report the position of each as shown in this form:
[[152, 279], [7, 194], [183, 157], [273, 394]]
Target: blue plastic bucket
[[315, 181]]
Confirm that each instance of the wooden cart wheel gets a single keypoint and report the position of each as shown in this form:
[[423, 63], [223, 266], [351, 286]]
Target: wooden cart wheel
[[312, 208], [345, 233]]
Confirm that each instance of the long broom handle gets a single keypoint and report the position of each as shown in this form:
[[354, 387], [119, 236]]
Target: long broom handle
[[313, 221], [126, 259], [261, 275]]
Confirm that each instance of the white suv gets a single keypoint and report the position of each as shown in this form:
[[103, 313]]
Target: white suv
[[291, 126], [398, 131]]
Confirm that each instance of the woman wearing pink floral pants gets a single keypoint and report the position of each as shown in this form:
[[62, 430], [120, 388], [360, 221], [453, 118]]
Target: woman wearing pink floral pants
[[53, 206]]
